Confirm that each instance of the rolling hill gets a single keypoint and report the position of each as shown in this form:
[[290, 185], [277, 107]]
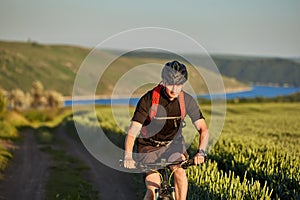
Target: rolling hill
[[260, 70], [250, 69], [56, 66]]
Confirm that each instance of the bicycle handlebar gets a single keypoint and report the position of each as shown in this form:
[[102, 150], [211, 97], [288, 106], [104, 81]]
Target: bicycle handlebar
[[160, 165]]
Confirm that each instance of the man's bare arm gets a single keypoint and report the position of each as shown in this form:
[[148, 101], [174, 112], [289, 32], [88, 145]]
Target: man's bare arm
[[132, 133], [201, 127]]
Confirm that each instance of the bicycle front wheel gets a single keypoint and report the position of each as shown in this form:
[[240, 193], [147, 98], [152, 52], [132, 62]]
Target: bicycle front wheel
[[165, 196]]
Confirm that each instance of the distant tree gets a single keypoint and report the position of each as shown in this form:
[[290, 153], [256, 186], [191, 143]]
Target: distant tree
[[54, 99], [17, 100], [37, 95], [37, 98], [2, 102], [27, 100]]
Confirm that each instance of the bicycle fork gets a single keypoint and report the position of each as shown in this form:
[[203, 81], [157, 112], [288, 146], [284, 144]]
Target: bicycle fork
[[165, 191]]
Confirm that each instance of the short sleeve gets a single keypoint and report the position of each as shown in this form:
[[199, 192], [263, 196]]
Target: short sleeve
[[192, 108], [142, 109]]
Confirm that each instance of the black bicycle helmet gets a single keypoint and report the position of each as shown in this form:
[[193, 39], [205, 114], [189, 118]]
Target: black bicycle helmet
[[174, 73]]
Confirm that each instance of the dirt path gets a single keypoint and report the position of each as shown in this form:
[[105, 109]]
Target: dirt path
[[110, 183], [26, 175]]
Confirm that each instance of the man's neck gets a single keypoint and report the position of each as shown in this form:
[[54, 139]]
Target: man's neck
[[170, 98]]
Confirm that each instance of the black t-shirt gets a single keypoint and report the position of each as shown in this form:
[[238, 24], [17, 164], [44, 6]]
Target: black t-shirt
[[161, 128]]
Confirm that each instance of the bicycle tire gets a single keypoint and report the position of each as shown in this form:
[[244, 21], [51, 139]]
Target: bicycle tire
[[173, 194], [166, 198], [170, 196], [156, 194]]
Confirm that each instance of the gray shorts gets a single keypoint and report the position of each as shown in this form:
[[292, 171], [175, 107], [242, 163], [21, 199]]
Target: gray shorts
[[171, 152]]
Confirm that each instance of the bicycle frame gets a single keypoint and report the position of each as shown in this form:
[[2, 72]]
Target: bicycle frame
[[166, 190]]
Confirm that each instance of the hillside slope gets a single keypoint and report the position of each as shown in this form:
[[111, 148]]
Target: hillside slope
[[274, 71], [56, 66], [249, 69]]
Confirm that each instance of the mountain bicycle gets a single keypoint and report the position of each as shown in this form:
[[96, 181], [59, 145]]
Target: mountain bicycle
[[166, 191]]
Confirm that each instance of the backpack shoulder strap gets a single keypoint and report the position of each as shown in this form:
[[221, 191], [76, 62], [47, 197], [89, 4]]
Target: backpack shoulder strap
[[182, 105], [155, 101]]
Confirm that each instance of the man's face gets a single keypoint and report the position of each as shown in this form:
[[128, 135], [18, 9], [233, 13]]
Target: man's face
[[173, 90]]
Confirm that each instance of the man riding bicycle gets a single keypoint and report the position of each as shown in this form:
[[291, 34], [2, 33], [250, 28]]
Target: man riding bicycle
[[159, 119]]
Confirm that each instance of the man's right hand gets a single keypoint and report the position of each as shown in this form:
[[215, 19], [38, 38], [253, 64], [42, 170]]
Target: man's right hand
[[129, 163]]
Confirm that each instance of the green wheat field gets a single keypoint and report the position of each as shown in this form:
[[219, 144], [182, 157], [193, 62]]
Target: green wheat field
[[256, 156]]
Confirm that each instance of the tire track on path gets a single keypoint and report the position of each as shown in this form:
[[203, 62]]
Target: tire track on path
[[110, 183], [27, 173]]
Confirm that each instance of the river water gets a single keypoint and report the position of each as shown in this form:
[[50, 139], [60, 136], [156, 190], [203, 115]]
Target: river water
[[256, 91]]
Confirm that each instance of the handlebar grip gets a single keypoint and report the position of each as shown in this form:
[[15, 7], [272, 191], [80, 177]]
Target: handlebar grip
[[137, 165], [121, 163], [187, 163], [191, 161]]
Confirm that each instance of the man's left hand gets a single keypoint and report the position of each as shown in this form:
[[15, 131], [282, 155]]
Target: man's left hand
[[199, 159]]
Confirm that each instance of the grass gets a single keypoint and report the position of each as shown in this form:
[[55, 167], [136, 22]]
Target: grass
[[12, 122], [44, 135], [8, 131], [257, 153], [8, 136], [66, 174], [275, 124], [56, 66], [48, 118], [65, 167], [66, 178], [260, 142]]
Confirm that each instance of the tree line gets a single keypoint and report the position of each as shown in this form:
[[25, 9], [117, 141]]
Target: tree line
[[36, 98]]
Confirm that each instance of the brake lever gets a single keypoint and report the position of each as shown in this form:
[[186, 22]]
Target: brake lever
[[185, 164]]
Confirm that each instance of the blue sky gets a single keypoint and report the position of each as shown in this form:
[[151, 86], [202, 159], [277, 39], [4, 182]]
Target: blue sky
[[265, 27]]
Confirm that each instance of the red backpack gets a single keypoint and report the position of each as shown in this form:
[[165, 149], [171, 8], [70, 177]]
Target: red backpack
[[155, 102]]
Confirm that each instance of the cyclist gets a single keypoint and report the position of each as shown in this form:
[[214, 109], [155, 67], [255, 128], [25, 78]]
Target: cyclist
[[158, 119]]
